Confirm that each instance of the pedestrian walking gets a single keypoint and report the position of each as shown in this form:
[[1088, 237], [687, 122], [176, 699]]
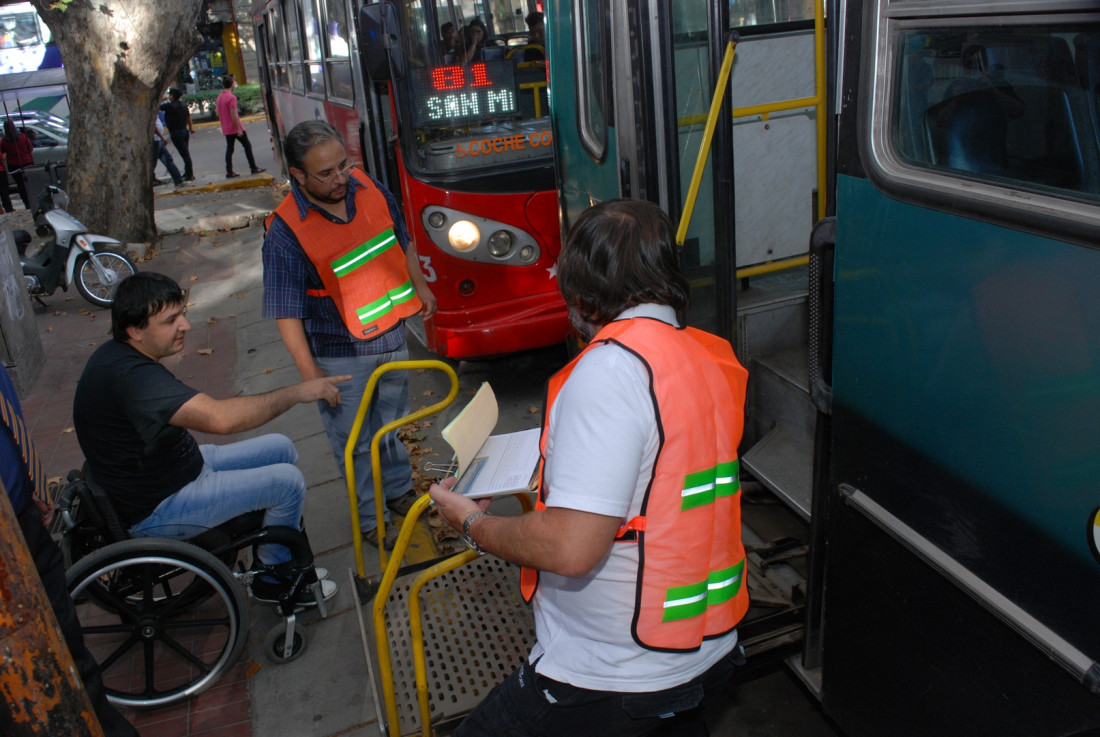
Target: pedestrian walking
[[18, 152], [232, 128], [177, 119]]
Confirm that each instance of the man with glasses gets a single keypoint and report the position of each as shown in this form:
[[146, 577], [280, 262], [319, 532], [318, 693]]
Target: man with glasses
[[340, 278]]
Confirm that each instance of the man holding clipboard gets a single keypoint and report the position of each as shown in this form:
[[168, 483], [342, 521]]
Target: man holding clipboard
[[633, 556]]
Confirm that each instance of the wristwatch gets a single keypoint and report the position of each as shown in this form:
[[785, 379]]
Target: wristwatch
[[466, 530]]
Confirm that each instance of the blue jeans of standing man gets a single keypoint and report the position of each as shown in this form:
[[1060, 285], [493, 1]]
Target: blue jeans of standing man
[[237, 478], [160, 151], [391, 401]]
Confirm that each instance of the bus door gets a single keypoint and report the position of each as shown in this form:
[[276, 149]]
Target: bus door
[[962, 577]]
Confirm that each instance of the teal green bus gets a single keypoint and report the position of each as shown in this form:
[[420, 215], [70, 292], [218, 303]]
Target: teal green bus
[[897, 225]]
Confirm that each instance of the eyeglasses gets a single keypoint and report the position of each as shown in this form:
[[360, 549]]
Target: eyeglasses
[[331, 177]]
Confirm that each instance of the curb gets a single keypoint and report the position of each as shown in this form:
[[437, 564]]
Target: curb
[[250, 182]]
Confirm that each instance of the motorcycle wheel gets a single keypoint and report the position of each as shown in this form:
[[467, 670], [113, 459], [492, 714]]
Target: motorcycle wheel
[[101, 292]]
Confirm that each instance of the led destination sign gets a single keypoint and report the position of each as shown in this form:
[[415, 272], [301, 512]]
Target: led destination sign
[[443, 95]]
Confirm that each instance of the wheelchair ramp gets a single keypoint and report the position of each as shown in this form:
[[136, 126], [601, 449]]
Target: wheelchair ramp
[[477, 630]]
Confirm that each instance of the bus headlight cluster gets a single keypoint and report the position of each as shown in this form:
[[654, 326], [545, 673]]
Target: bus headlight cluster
[[461, 234]]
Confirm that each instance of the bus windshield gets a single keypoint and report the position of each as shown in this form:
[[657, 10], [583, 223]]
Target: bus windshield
[[474, 92]]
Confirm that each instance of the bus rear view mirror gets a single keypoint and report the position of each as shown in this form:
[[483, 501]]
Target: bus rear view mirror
[[381, 42]]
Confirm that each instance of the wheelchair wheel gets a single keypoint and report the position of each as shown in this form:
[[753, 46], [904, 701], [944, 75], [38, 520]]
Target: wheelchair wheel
[[164, 619]]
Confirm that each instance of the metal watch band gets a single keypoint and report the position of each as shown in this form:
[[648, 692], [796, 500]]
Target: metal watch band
[[466, 530]]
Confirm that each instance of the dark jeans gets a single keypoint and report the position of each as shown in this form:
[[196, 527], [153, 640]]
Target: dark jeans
[[160, 151], [5, 197], [531, 704], [230, 141], [21, 184], [51, 569], [181, 140]]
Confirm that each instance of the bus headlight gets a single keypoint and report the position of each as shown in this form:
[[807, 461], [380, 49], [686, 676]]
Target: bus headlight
[[463, 235], [500, 243], [437, 219]]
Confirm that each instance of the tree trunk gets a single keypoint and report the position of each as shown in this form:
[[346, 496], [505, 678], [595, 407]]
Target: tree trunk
[[119, 56]]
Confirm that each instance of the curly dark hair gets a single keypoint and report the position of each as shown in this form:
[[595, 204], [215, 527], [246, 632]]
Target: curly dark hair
[[619, 254]]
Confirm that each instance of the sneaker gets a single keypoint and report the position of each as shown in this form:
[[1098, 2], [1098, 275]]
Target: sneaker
[[402, 504], [269, 591], [189, 177], [181, 183], [158, 182], [371, 536], [322, 573], [231, 174], [260, 170]]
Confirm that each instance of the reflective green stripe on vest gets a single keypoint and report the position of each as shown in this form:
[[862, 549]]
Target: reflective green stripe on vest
[[684, 602], [371, 312], [362, 255], [703, 487]]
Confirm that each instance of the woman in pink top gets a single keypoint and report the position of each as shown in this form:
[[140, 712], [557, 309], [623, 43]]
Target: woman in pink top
[[232, 128], [19, 152]]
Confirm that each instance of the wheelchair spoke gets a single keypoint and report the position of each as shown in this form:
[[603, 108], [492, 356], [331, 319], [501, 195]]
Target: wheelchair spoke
[[184, 653], [118, 652]]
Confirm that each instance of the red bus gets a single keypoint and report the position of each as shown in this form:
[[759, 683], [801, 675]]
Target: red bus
[[463, 140]]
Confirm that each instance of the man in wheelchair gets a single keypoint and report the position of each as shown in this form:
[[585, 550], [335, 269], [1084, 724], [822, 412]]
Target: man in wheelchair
[[132, 418]]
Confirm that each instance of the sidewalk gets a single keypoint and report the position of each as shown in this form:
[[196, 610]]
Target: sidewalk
[[214, 251]]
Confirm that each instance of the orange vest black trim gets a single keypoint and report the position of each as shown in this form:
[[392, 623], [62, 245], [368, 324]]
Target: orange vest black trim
[[691, 579], [369, 279]]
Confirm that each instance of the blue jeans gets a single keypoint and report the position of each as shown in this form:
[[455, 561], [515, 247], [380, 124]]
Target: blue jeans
[[391, 401], [258, 473], [160, 151]]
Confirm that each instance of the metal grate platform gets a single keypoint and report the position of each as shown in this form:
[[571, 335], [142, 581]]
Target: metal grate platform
[[477, 630]]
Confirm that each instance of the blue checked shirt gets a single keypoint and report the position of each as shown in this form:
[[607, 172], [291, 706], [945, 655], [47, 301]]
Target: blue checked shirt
[[288, 273]]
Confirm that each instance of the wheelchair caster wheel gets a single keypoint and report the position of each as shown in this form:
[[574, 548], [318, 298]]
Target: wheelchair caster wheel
[[275, 646]]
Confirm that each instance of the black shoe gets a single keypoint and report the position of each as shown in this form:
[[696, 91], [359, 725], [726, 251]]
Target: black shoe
[[189, 177], [371, 536], [231, 174], [259, 171], [402, 504], [269, 591], [158, 182]]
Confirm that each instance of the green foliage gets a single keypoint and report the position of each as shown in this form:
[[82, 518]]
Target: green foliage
[[249, 100]]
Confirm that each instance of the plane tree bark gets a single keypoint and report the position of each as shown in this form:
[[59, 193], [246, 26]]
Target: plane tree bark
[[119, 57]]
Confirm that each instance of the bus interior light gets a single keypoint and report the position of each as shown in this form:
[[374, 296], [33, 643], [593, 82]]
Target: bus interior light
[[437, 219], [500, 243], [464, 235]]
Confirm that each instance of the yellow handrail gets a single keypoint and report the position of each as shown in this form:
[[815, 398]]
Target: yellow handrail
[[708, 135], [376, 462]]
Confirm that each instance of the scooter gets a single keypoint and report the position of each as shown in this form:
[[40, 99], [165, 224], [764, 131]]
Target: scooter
[[95, 263]]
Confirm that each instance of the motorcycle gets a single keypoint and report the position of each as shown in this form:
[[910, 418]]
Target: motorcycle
[[95, 263]]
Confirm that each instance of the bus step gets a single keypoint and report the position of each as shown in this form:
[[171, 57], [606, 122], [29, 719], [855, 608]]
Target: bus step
[[783, 462], [810, 677]]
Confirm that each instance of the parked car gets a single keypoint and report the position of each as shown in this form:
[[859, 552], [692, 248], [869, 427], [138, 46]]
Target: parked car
[[51, 135]]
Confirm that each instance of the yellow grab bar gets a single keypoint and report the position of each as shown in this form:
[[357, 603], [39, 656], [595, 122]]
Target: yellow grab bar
[[376, 461]]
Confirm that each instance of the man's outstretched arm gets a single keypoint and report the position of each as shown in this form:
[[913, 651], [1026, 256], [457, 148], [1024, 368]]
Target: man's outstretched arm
[[237, 414]]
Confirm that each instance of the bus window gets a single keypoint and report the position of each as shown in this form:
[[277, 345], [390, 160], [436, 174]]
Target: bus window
[[763, 12], [314, 67], [294, 45], [338, 51], [278, 34], [1014, 105], [467, 115]]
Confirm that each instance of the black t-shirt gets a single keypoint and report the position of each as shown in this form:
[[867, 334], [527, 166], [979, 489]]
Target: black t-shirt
[[175, 115], [121, 410]]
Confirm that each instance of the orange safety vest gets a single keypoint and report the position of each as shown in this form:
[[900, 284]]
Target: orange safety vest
[[691, 579], [369, 280]]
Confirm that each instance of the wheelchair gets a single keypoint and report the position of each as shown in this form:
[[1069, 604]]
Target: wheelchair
[[167, 618]]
